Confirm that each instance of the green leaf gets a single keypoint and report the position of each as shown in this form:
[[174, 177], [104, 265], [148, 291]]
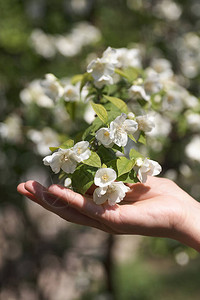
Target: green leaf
[[130, 177], [142, 138], [104, 166], [112, 110], [52, 149], [67, 144], [132, 73], [118, 103], [77, 78], [100, 111], [121, 73], [132, 138], [83, 178], [106, 154], [94, 160], [92, 128], [71, 109], [124, 165], [133, 154]]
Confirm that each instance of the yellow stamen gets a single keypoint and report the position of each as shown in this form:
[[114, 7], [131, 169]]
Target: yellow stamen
[[106, 133], [79, 150], [104, 177]]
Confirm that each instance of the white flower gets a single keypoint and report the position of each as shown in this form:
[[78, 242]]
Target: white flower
[[67, 159], [102, 69], [103, 136], [168, 10], [173, 99], [67, 182], [131, 115], [42, 43], [120, 128], [162, 126], [114, 193], [35, 93], [118, 131], [138, 92], [163, 68], [101, 72], [191, 101], [192, 149], [152, 84], [147, 167], [89, 115], [66, 45], [128, 58], [71, 93], [81, 151], [62, 159], [43, 139], [145, 123], [52, 87], [193, 120], [104, 177], [139, 162], [11, 128], [110, 56], [85, 33]]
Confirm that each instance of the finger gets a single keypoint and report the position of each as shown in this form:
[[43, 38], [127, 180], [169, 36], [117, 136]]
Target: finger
[[83, 204], [21, 189], [55, 205], [42, 194]]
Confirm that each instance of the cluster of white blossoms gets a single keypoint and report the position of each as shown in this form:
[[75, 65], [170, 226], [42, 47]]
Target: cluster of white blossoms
[[103, 69], [118, 131], [138, 92], [67, 159], [43, 139], [187, 47], [54, 89], [168, 9], [11, 129], [34, 93], [108, 189], [164, 99], [146, 167], [69, 45]]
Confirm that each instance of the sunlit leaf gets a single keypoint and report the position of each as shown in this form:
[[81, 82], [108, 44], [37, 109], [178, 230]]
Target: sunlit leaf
[[100, 111], [130, 177], [142, 138], [77, 78], [52, 149], [124, 165], [94, 160], [134, 154], [118, 102], [67, 144]]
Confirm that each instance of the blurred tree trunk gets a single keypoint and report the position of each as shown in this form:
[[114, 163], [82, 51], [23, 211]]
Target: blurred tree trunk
[[108, 263]]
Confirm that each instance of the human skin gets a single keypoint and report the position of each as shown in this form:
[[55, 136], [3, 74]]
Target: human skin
[[157, 208]]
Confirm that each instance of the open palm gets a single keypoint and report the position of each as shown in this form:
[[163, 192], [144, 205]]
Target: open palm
[[156, 208]]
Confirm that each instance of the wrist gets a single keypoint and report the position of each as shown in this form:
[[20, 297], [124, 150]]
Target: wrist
[[187, 231]]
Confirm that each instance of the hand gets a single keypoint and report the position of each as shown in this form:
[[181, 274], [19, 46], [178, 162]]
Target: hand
[[157, 208]]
